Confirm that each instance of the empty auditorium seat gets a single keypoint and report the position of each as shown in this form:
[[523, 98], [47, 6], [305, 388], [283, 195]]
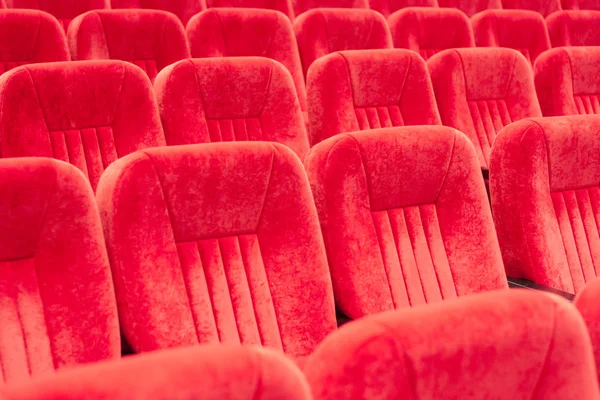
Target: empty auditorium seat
[[574, 28], [285, 6], [85, 113], [587, 304], [63, 10], [301, 6], [504, 346], [30, 36], [218, 100], [366, 89], [544, 7], [567, 81], [184, 9], [200, 253], [521, 30], [388, 7], [150, 39], [405, 218], [471, 7], [226, 32], [544, 183], [56, 298], [214, 372], [326, 30], [428, 31], [581, 4], [479, 91]]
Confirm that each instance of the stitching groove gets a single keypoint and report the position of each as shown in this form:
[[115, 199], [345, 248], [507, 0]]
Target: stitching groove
[[228, 283]]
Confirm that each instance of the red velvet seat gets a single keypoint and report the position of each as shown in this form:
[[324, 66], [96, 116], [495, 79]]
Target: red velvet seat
[[57, 302], [510, 345], [405, 218], [587, 304], [327, 30], [150, 39], [428, 31], [521, 30], [567, 81], [574, 28], [86, 113], [30, 36], [388, 7], [301, 6], [200, 253], [284, 6], [357, 90], [184, 9], [227, 32], [209, 372], [544, 176], [63, 10], [471, 7], [479, 91], [230, 99], [581, 4], [544, 7]]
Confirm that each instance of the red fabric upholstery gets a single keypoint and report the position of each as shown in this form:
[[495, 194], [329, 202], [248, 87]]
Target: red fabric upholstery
[[63, 10], [150, 39], [567, 81], [56, 298], [184, 9], [521, 30], [574, 28], [301, 6], [86, 113], [587, 304], [544, 7], [509, 345], [428, 31], [208, 259], [230, 99], [285, 6], [581, 4], [479, 91], [357, 90], [30, 36], [214, 372], [226, 32], [327, 30], [405, 218], [544, 179], [471, 7], [387, 7]]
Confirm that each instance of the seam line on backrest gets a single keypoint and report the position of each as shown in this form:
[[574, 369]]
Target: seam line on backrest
[[450, 160], [118, 102], [37, 94], [103, 34], [262, 209], [410, 61], [250, 291], [326, 28], [37, 37], [228, 284], [511, 77], [222, 28], [548, 351], [268, 89]]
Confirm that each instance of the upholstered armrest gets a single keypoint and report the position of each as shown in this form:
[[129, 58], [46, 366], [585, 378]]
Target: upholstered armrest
[[517, 283]]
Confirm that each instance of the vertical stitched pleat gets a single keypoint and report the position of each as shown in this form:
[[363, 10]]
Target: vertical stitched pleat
[[76, 151], [488, 116], [378, 117], [214, 130], [584, 203], [361, 117], [254, 129], [227, 133], [106, 143], [239, 129], [595, 104], [579, 105], [91, 151], [231, 130], [384, 117], [587, 104], [59, 146], [396, 116], [579, 234], [373, 118]]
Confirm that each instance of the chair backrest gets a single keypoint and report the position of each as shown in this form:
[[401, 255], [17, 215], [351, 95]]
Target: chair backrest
[[301, 6], [184, 9], [574, 28], [543, 7], [388, 7], [586, 302], [63, 10], [471, 7], [581, 4], [284, 6]]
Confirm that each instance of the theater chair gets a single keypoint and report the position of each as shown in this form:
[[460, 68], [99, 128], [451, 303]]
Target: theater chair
[[521, 30], [544, 178], [327, 30], [359, 90], [405, 218], [388, 7], [200, 253], [428, 31], [231, 32], [150, 39], [86, 113], [479, 91], [30, 36], [587, 304], [216, 372], [512, 345], [471, 7], [581, 4], [218, 100], [63, 10], [574, 28], [57, 302], [543, 7], [184, 9], [567, 81], [284, 6], [301, 6]]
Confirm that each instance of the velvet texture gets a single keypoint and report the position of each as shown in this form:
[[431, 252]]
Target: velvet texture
[[284, 6], [544, 179], [213, 372], [86, 113], [57, 302], [301, 6], [544, 7], [230, 32], [366, 89], [184, 9], [479, 91], [471, 7], [63, 10], [574, 28], [581, 4], [30, 36], [230, 99], [509, 345], [428, 31], [388, 7], [150, 39], [567, 81], [207, 259], [586, 302], [505, 28], [405, 217], [327, 30]]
